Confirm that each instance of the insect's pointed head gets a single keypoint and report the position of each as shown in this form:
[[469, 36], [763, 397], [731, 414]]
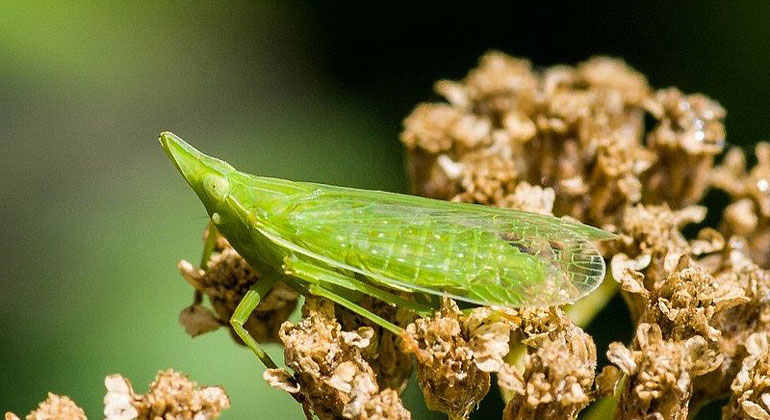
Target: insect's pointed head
[[208, 176]]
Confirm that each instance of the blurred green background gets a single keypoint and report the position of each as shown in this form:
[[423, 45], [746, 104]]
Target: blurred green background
[[94, 218]]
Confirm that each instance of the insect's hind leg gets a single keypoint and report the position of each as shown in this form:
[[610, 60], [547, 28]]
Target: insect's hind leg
[[317, 274], [243, 311], [319, 290]]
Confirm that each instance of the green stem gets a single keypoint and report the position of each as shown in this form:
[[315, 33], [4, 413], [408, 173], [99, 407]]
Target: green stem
[[583, 311], [601, 410]]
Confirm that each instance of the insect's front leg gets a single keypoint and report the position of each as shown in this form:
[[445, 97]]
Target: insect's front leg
[[319, 277], [243, 311]]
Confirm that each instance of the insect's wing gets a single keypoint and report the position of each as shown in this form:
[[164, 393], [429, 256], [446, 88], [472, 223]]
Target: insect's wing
[[474, 253]]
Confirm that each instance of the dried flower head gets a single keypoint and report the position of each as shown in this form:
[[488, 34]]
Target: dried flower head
[[391, 365], [330, 373], [559, 369], [690, 132], [650, 248], [751, 388], [225, 281], [171, 396], [748, 215], [737, 323], [659, 373], [55, 407], [686, 303], [455, 353]]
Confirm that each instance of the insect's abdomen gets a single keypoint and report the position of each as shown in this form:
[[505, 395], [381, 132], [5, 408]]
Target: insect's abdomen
[[459, 261]]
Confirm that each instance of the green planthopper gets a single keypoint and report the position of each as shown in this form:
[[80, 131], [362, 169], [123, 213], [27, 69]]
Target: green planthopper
[[342, 243]]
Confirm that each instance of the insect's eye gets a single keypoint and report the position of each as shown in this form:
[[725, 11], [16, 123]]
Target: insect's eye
[[216, 187]]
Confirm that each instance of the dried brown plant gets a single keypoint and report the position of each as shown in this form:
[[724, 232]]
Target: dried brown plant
[[748, 216], [172, 396], [55, 407], [331, 377], [751, 388], [558, 368], [225, 280]]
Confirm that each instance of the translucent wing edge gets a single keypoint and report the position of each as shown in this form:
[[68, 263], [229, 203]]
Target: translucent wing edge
[[575, 226]]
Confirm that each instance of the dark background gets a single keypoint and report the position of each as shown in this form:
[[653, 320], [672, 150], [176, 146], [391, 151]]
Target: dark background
[[94, 218]]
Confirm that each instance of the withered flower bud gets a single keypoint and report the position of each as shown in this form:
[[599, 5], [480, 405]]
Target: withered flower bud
[[659, 373], [559, 369], [330, 373], [390, 363], [455, 353], [650, 248], [750, 398], [171, 396], [686, 303], [690, 132], [55, 407], [749, 214], [737, 323]]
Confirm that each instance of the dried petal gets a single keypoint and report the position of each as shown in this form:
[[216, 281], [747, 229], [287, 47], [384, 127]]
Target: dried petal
[[197, 319], [281, 379]]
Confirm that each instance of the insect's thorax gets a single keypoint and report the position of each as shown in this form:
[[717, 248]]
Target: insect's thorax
[[251, 202]]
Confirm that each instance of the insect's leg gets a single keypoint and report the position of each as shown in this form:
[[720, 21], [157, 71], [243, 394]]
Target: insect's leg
[[294, 266], [208, 246], [243, 311], [318, 290]]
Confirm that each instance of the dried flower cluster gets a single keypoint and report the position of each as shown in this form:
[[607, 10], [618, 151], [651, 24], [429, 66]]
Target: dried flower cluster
[[331, 376], [225, 281], [559, 368], [751, 387], [172, 396], [578, 130], [573, 139], [55, 407], [675, 341], [748, 215]]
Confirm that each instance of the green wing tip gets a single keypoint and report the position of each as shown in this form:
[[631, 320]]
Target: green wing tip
[[591, 232], [601, 234]]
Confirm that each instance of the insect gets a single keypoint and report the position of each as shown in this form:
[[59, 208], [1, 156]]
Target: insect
[[343, 243]]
